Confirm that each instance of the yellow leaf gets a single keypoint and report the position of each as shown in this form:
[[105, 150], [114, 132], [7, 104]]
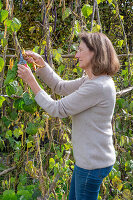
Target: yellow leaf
[[11, 63], [98, 1], [126, 194], [98, 27], [44, 42], [117, 183]]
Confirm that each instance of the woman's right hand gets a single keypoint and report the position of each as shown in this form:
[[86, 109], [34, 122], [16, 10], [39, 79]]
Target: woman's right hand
[[32, 57]]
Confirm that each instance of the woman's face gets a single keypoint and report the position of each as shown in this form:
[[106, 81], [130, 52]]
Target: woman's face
[[84, 55]]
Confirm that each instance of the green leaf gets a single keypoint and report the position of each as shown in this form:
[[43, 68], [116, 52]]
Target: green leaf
[[13, 115], [36, 49], [1, 64], [75, 70], [6, 121], [8, 23], [30, 104], [61, 68], [1, 35], [11, 88], [77, 28], [120, 102], [32, 108], [124, 139], [31, 29], [57, 55], [110, 1], [3, 42], [11, 74], [2, 144], [27, 98], [2, 99], [29, 144], [51, 163], [120, 43], [1, 5], [24, 194], [8, 134], [87, 10], [96, 28], [127, 194], [66, 13], [15, 25], [9, 195], [3, 15], [98, 1], [32, 128], [19, 103], [17, 132]]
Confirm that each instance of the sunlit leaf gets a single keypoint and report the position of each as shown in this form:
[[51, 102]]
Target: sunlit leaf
[[98, 1], [3, 42], [124, 139], [57, 56], [110, 1], [10, 89], [87, 10], [77, 28], [120, 43], [2, 99], [15, 25], [11, 74], [36, 49], [29, 144], [27, 99], [61, 68], [31, 29], [51, 162], [121, 16], [7, 23], [75, 70], [1, 64], [3, 15], [1, 5], [17, 132], [66, 13], [117, 183]]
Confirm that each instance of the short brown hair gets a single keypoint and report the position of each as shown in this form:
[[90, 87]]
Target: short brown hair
[[105, 60]]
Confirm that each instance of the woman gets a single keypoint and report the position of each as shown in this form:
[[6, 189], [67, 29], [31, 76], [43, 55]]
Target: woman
[[90, 101]]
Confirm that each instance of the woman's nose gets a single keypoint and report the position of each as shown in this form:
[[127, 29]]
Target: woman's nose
[[77, 55]]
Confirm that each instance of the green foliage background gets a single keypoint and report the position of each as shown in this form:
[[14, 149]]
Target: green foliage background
[[36, 147]]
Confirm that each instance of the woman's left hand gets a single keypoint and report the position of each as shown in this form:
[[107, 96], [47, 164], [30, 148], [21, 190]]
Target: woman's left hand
[[25, 73]]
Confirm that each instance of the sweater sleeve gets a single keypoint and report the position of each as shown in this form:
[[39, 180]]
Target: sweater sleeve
[[88, 95], [58, 85]]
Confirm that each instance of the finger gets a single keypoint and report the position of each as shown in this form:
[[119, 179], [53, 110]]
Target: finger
[[31, 53], [29, 59], [22, 67]]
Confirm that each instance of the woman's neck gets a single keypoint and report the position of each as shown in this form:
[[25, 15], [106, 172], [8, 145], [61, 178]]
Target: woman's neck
[[89, 73]]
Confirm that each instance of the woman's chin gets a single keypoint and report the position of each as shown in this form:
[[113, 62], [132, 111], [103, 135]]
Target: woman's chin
[[81, 66]]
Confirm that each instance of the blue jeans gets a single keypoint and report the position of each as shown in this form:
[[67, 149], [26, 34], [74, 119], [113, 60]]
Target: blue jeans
[[85, 184]]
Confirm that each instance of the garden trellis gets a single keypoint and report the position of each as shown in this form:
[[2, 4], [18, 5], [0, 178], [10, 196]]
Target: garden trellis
[[36, 151]]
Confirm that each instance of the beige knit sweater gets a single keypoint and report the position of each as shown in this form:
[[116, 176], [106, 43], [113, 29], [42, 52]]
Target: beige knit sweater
[[91, 104]]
